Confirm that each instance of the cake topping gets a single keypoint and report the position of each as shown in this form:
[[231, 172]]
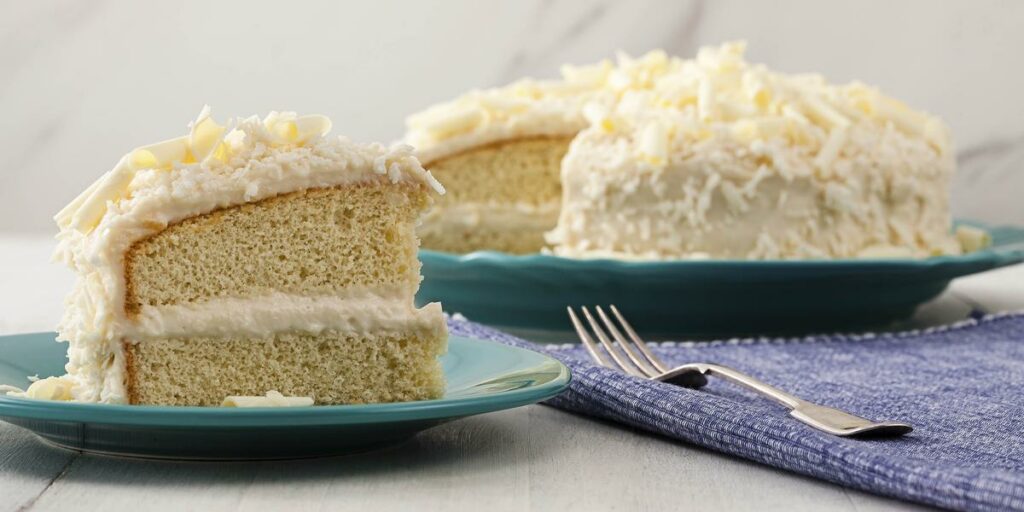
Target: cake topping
[[207, 142], [720, 94], [210, 145], [273, 399], [717, 89], [527, 108], [50, 388], [499, 105]]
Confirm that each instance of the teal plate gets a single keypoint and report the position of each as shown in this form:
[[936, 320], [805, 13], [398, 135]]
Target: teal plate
[[707, 298], [483, 376]]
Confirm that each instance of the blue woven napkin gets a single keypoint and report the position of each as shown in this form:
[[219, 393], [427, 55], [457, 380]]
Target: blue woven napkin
[[962, 387]]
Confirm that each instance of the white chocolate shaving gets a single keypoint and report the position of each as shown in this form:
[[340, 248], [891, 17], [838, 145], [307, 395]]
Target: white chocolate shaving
[[972, 239], [50, 388], [272, 399], [205, 141]]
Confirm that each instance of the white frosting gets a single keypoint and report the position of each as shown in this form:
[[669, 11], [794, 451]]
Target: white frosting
[[523, 109], [721, 198], [726, 159], [255, 159], [531, 108], [213, 167], [528, 108]]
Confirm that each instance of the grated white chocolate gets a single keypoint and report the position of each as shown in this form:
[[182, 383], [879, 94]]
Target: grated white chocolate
[[50, 388], [973, 239], [528, 107], [273, 399], [524, 109], [210, 150]]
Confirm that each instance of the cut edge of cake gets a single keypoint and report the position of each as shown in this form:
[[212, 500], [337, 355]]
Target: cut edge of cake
[[509, 208]]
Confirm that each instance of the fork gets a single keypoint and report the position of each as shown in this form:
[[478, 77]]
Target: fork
[[632, 356]]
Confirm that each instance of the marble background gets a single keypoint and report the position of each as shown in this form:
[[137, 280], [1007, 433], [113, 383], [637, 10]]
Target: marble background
[[83, 82]]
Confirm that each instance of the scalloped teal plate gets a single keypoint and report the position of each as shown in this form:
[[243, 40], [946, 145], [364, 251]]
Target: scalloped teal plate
[[483, 376], [707, 298]]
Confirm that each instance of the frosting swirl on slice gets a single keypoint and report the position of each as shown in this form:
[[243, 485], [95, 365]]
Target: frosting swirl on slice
[[207, 142]]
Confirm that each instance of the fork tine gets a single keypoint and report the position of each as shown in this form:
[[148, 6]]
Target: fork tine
[[626, 346], [620, 360], [588, 341], [639, 342]]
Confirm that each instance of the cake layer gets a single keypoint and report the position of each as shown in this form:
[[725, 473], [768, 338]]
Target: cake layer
[[502, 196], [512, 171], [331, 367], [346, 240]]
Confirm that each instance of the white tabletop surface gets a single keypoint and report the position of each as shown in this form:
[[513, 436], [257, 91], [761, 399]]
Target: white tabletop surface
[[531, 458]]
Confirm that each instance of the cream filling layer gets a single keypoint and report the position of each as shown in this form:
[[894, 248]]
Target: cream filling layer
[[515, 217], [260, 317]]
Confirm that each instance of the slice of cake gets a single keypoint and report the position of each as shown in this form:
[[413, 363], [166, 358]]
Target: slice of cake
[[261, 257], [711, 157]]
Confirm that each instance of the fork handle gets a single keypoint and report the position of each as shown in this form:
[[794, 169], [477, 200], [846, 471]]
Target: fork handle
[[755, 385], [828, 419]]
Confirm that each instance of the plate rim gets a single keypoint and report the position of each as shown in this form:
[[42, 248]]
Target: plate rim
[[276, 417]]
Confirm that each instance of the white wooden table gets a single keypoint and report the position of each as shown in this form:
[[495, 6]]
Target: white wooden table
[[531, 458]]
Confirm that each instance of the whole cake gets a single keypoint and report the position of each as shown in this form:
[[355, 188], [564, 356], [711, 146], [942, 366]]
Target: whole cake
[[261, 258], [712, 157]]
